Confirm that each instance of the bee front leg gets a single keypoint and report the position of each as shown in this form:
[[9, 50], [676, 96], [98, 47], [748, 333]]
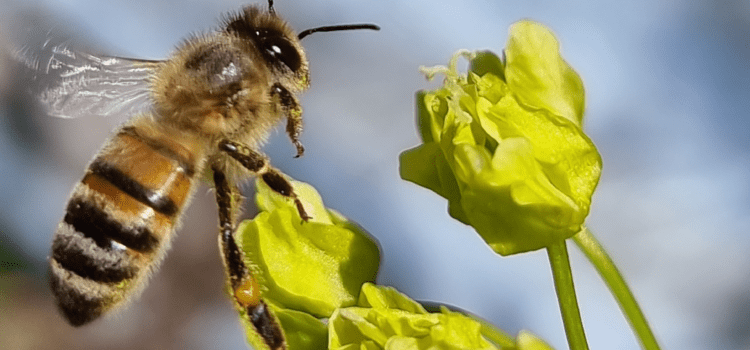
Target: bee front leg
[[258, 163], [244, 287], [293, 110]]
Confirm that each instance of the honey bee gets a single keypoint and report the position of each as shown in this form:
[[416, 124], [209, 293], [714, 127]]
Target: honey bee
[[202, 113]]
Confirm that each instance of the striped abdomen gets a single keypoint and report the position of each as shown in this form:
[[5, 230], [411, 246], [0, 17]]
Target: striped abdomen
[[119, 221]]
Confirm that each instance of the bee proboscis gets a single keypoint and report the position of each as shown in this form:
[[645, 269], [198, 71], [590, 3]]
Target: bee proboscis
[[203, 112]]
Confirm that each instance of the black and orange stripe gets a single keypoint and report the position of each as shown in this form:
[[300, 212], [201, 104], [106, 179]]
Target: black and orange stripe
[[118, 220]]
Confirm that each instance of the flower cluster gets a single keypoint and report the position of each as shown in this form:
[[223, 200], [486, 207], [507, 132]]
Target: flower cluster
[[316, 278]]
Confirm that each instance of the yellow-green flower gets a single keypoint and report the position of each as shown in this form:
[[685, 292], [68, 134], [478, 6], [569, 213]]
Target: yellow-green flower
[[305, 269], [387, 319], [504, 143]]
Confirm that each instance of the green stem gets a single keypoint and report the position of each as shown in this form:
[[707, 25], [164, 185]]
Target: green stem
[[566, 295], [612, 277]]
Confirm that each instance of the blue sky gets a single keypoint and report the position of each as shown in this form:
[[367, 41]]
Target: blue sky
[[668, 90]]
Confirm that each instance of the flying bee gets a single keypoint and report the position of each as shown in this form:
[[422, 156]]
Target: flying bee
[[201, 113]]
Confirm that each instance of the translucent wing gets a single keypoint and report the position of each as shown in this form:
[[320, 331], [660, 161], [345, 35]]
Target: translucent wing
[[74, 84]]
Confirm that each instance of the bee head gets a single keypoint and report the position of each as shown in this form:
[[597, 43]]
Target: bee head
[[275, 42], [254, 62], [231, 72]]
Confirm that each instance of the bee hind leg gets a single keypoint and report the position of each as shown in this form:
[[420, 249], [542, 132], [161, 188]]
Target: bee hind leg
[[226, 197], [244, 287], [258, 163]]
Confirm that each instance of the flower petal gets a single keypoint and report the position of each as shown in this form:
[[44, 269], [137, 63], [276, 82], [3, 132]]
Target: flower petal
[[539, 76]]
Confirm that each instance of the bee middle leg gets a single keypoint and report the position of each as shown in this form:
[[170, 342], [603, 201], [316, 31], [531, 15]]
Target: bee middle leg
[[258, 163]]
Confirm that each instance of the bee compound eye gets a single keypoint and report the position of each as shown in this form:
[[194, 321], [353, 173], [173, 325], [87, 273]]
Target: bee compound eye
[[277, 49]]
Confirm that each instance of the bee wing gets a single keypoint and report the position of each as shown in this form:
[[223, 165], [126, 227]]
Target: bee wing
[[73, 84]]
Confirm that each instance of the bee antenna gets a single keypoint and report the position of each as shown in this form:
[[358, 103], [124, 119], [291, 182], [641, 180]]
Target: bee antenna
[[307, 32], [270, 7]]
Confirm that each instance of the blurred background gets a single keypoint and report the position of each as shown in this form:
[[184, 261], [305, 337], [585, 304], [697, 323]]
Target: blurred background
[[668, 94]]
